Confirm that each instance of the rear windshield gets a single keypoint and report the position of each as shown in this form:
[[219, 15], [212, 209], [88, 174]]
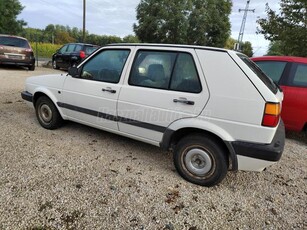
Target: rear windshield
[[13, 41], [90, 49], [263, 77]]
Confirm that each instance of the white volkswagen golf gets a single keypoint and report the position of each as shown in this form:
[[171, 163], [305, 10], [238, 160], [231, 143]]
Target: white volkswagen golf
[[214, 108]]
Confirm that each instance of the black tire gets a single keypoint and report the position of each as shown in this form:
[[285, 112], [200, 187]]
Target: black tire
[[54, 65], [200, 160], [47, 114], [32, 67]]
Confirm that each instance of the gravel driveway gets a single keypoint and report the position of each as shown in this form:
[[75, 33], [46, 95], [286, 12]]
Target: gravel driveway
[[78, 177]]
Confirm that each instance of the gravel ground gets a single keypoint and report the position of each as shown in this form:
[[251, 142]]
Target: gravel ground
[[78, 177]]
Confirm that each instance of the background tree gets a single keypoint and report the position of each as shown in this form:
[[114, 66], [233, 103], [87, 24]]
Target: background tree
[[247, 49], [163, 21], [276, 49], [247, 46], [9, 10], [131, 39], [289, 27], [209, 22], [199, 22]]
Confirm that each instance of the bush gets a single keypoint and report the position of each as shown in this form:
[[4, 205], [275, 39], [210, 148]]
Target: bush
[[45, 50]]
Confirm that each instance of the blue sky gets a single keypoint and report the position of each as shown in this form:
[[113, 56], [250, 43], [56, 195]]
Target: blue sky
[[117, 17]]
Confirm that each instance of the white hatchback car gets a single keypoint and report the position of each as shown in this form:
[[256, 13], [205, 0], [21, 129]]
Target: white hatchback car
[[214, 108]]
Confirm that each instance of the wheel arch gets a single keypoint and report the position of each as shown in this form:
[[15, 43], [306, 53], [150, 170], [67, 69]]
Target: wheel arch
[[42, 92], [171, 138]]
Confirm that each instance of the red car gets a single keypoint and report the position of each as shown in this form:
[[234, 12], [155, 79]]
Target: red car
[[291, 74]]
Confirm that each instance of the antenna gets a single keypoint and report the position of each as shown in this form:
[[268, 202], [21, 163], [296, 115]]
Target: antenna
[[240, 38]]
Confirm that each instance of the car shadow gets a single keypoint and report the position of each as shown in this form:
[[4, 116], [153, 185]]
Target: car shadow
[[13, 67], [297, 136]]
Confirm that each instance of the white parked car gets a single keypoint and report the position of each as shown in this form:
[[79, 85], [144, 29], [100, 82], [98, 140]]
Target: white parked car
[[212, 107]]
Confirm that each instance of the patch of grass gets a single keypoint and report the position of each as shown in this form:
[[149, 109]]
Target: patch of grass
[[45, 50]]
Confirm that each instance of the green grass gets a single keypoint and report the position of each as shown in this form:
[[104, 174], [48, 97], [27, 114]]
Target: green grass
[[45, 50]]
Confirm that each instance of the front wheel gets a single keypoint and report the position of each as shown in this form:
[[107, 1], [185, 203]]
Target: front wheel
[[54, 65], [200, 160], [47, 114]]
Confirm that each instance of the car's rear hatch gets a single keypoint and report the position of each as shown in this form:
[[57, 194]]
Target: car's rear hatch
[[15, 49]]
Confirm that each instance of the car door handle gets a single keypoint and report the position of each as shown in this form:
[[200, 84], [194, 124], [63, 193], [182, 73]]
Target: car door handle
[[184, 101], [109, 89]]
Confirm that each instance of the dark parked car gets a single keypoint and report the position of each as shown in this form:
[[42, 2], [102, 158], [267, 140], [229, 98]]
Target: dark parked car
[[16, 51], [72, 54], [291, 74]]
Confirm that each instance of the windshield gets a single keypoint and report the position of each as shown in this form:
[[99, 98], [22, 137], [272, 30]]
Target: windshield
[[263, 77], [13, 41]]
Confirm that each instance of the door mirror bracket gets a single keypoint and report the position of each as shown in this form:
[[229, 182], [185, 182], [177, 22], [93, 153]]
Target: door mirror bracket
[[74, 72]]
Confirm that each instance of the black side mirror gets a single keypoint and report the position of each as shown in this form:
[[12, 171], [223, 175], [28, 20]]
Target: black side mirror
[[73, 71]]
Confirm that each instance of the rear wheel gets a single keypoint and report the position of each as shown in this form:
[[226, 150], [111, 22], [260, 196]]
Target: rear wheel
[[32, 67], [200, 160], [47, 114]]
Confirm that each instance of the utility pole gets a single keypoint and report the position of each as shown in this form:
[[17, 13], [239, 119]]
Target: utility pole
[[240, 38], [84, 10]]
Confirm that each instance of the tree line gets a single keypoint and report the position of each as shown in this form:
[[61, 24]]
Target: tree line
[[59, 34]]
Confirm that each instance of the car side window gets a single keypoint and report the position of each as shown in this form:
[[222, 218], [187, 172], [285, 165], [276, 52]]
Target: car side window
[[300, 75], [185, 77], [165, 70], [152, 69], [105, 66], [272, 69], [78, 48], [63, 49], [70, 48], [89, 49]]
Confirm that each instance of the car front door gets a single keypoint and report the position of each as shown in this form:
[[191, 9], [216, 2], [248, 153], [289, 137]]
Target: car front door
[[91, 98], [59, 56], [163, 86], [67, 56]]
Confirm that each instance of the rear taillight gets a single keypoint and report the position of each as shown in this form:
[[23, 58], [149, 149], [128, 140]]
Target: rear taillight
[[82, 54], [271, 114]]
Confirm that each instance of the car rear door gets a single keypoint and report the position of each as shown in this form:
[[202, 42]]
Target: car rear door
[[164, 85], [294, 112]]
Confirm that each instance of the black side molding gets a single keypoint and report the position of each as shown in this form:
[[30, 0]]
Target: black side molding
[[27, 96]]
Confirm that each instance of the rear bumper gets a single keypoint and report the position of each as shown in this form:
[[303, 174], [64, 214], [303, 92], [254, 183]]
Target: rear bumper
[[255, 157], [27, 96], [19, 62]]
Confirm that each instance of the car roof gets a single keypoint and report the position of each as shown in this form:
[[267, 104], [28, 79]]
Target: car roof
[[12, 36], [83, 44], [281, 58], [170, 46]]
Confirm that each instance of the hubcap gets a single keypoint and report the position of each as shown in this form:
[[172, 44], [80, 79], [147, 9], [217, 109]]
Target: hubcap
[[45, 113], [198, 161]]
